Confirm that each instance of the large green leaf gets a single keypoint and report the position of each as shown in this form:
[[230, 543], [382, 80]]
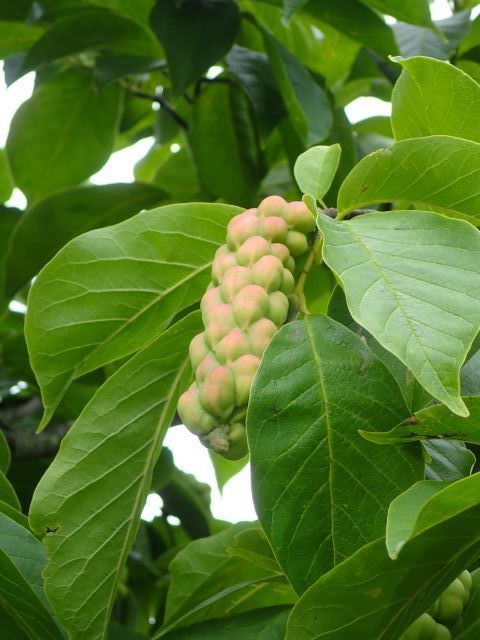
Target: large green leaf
[[354, 19], [412, 11], [440, 172], [63, 134], [433, 97], [311, 473], [262, 624], [447, 460], [432, 422], [23, 606], [88, 503], [410, 280], [90, 29], [46, 226], [16, 37], [208, 582], [128, 283], [224, 144], [372, 596], [306, 102], [196, 34], [441, 43]]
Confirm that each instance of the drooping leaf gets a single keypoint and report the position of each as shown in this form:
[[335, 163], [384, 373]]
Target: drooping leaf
[[254, 72], [6, 184], [315, 169], [306, 102], [435, 98], [5, 455], [317, 384], [225, 469], [16, 37], [23, 606], [432, 422], [208, 582], [447, 460], [106, 459], [412, 11], [49, 224], [9, 217], [129, 281], [409, 279], [195, 34], [372, 596], [7, 492], [422, 41], [438, 172], [91, 29], [14, 514], [63, 134], [224, 144], [261, 624], [357, 20]]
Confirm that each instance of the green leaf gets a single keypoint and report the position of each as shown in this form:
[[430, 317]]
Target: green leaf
[[90, 29], [317, 384], [129, 281], [306, 102], [7, 493], [437, 171], [106, 459], [447, 460], [16, 37], [14, 10], [262, 624], [208, 582], [224, 145], [357, 21], [71, 119], [23, 607], [195, 34], [425, 505], [50, 223], [14, 514], [409, 279], [432, 422], [252, 544], [404, 512], [421, 41], [412, 11], [315, 169], [433, 97], [291, 7], [9, 217], [6, 184], [5, 455], [225, 469], [254, 72], [372, 596]]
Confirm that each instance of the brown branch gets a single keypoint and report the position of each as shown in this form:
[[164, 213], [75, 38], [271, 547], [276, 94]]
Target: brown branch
[[163, 102]]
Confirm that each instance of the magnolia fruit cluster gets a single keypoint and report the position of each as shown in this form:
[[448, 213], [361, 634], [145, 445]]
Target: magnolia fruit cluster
[[245, 304], [444, 614]]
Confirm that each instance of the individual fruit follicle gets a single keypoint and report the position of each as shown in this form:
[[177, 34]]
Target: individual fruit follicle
[[244, 306]]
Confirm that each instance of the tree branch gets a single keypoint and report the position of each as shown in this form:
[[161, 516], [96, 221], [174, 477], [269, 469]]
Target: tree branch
[[163, 102]]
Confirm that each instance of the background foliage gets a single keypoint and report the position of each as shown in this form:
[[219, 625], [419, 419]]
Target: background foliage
[[231, 94]]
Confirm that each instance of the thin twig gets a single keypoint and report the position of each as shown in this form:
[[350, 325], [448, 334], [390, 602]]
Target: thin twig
[[163, 102]]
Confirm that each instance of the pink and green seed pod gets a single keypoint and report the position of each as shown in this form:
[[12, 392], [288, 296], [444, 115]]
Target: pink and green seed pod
[[242, 309]]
